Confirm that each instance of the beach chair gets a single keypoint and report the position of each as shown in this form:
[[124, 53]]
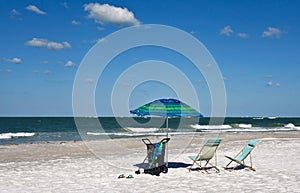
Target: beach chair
[[207, 152], [242, 155]]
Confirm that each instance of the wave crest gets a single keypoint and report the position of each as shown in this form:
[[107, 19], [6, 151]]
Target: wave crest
[[15, 135]]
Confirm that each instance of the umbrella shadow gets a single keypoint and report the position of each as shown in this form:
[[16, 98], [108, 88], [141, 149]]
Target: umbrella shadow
[[170, 165], [178, 165]]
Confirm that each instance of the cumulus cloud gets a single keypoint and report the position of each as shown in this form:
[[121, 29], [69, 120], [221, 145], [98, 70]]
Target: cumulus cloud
[[14, 14], [14, 60], [101, 40], [44, 43], [272, 32], [74, 22], [109, 14], [70, 64], [268, 76], [35, 72], [227, 31], [89, 80], [270, 83], [242, 35], [45, 62], [66, 44], [47, 72], [35, 9]]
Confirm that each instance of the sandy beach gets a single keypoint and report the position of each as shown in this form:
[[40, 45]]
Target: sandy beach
[[94, 166]]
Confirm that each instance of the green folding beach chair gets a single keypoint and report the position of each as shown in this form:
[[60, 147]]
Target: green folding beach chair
[[242, 155], [206, 153]]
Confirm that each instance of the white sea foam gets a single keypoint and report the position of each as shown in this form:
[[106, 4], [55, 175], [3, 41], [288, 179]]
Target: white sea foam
[[125, 134], [243, 128], [259, 118], [141, 130], [290, 125], [243, 125], [15, 135], [210, 127]]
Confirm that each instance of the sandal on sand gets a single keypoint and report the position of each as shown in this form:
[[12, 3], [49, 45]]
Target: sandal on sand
[[121, 176], [130, 176]]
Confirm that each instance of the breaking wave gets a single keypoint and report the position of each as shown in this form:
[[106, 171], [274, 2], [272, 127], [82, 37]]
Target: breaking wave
[[16, 135]]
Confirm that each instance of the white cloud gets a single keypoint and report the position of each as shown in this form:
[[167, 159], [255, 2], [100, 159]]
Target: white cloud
[[268, 76], [74, 22], [102, 40], [35, 72], [55, 46], [272, 32], [66, 44], [8, 70], [14, 12], [226, 31], [70, 64], [109, 14], [100, 28], [14, 60], [270, 83], [44, 43], [89, 80], [242, 35], [45, 62], [35, 9], [47, 72]]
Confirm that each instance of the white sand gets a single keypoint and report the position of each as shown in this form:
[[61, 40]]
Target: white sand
[[70, 167]]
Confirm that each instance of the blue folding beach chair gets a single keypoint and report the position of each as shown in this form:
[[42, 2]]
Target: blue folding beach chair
[[242, 155]]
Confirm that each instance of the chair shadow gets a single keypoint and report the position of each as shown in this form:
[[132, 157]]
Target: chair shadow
[[240, 167], [201, 169]]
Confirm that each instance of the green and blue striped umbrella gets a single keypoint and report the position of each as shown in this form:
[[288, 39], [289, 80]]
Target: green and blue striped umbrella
[[166, 108]]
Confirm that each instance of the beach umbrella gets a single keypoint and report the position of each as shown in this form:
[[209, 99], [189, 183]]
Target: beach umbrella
[[166, 108]]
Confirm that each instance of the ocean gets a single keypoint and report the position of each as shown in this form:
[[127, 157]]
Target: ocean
[[17, 130]]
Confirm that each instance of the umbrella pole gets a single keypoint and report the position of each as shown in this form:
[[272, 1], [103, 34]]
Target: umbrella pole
[[167, 125]]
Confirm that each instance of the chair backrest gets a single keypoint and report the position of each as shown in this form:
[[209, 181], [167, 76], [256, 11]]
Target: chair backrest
[[208, 150], [247, 150]]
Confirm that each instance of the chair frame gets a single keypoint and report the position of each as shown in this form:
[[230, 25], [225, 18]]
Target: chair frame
[[242, 162], [207, 161]]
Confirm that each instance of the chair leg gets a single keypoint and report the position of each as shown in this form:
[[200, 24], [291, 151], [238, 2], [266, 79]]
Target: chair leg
[[190, 168], [228, 164], [243, 164]]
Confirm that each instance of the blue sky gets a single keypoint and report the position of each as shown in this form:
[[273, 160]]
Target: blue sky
[[255, 43]]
